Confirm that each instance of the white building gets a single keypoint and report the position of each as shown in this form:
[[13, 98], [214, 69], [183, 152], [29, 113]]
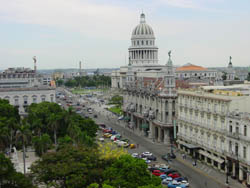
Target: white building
[[208, 131], [23, 97]]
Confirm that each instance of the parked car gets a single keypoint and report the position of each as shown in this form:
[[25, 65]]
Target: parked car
[[157, 172], [164, 169], [125, 140], [170, 171], [151, 169], [101, 139], [152, 158], [95, 116], [167, 180], [174, 175], [163, 176], [170, 185], [185, 182]]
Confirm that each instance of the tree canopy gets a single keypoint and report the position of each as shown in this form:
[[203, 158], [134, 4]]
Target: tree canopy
[[9, 178]]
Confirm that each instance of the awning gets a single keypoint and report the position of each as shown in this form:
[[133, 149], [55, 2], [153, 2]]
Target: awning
[[190, 146], [145, 126], [217, 159]]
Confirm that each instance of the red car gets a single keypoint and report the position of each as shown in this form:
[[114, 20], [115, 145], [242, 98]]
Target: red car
[[174, 175], [157, 172]]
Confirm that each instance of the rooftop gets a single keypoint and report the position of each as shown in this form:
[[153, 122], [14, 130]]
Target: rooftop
[[191, 67]]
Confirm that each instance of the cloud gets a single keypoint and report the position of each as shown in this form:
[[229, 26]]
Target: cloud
[[82, 16]]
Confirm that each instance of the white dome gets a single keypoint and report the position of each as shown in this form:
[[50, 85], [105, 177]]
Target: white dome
[[143, 29]]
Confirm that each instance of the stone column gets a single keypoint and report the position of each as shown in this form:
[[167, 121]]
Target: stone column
[[164, 110], [248, 176], [166, 137], [240, 173], [159, 134], [170, 103], [151, 135]]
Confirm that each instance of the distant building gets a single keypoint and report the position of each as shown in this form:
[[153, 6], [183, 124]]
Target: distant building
[[23, 86], [19, 78], [21, 98]]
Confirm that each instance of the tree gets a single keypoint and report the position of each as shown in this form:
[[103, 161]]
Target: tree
[[41, 144], [129, 172], [9, 178], [54, 120], [24, 135], [9, 119], [71, 166]]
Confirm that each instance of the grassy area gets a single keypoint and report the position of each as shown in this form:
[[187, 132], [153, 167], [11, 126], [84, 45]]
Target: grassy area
[[87, 91], [116, 110]]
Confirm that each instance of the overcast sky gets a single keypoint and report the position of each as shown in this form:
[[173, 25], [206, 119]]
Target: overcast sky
[[97, 32]]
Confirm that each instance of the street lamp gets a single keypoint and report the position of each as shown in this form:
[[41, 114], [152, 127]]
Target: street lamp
[[227, 166]]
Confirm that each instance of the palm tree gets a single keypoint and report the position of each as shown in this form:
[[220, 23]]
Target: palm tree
[[23, 134], [54, 120]]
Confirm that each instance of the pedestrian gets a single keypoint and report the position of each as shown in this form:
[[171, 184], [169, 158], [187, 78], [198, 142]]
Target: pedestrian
[[137, 145], [183, 156]]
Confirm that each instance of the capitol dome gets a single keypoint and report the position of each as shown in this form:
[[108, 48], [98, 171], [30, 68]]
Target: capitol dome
[[143, 50], [143, 30]]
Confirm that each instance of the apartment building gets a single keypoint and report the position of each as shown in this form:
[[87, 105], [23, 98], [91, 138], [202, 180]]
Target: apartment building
[[207, 129]]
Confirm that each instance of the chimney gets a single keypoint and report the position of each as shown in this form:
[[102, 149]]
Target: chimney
[[34, 59]]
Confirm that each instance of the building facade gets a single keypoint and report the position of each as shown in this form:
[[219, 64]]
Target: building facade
[[205, 131]]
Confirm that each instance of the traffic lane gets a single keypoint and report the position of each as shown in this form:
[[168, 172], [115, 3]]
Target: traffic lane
[[196, 179]]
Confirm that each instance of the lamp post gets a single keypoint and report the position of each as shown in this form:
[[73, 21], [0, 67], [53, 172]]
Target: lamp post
[[227, 166]]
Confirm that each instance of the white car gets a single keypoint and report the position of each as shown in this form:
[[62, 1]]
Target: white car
[[166, 181], [101, 139], [135, 155], [59, 104], [185, 182], [174, 182], [146, 154]]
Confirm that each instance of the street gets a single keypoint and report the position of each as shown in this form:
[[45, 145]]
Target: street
[[196, 177]]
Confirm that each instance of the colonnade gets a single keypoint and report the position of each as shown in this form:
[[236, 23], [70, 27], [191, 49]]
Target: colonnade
[[143, 54]]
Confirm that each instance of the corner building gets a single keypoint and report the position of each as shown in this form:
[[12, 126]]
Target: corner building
[[213, 125]]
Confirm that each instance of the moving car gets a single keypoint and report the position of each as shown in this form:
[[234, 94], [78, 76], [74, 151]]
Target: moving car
[[152, 158], [146, 154]]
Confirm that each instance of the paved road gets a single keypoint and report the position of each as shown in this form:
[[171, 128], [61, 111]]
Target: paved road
[[197, 178]]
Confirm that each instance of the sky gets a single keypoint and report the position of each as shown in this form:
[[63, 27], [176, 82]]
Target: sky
[[60, 33]]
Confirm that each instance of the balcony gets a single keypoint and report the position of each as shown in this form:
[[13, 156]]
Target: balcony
[[233, 135], [245, 138]]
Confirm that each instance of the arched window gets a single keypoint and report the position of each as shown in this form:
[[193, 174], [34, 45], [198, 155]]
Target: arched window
[[34, 99], [51, 98], [43, 98], [25, 100]]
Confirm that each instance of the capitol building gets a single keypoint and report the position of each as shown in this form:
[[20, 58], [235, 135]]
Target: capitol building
[[148, 87]]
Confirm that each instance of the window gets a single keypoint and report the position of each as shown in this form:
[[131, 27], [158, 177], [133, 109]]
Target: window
[[244, 152], [51, 98], [245, 130], [146, 42], [137, 42], [43, 97], [142, 42], [236, 149], [237, 130], [25, 100], [230, 128], [34, 100]]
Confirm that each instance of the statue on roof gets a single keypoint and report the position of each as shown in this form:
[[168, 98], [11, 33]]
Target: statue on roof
[[34, 59], [169, 54], [230, 58]]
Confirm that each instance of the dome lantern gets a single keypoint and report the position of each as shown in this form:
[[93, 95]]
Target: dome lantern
[[142, 20]]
